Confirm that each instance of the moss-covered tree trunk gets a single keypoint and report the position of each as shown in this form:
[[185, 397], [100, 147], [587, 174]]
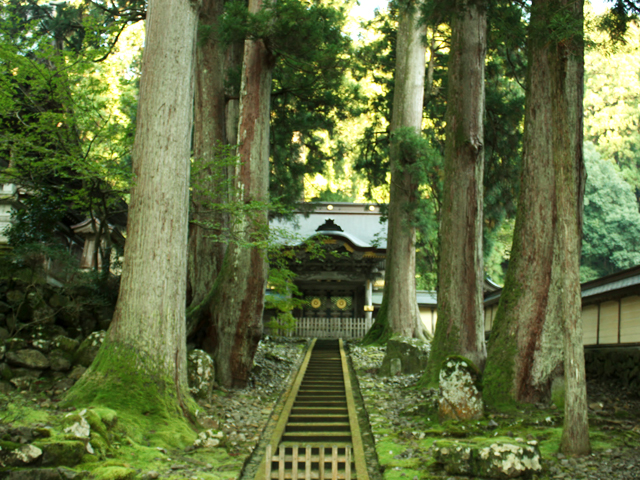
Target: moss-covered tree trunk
[[399, 314], [539, 316], [236, 325], [141, 367], [460, 326], [525, 349]]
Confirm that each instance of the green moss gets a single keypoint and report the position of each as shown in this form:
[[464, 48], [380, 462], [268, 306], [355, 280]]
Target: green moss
[[145, 397], [21, 412], [9, 446], [114, 473], [498, 377], [444, 344], [56, 451]]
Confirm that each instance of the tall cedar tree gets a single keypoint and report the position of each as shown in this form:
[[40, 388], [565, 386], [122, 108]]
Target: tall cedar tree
[[399, 312], [215, 126], [142, 361], [460, 326], [228, 207], [236, 324], [539, 316]]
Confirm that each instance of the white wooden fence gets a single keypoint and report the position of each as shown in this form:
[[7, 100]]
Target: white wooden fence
[[346, 328]]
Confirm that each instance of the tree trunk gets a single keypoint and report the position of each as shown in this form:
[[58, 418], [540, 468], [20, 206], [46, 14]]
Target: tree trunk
[[214, 173], [567, 67], [236, 326], [540, 307], [141, 366], [209, 135], [399, 317], [460, 326], [525, 348]]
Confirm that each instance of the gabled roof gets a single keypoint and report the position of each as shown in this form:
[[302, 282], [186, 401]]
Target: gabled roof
[[358, 223]]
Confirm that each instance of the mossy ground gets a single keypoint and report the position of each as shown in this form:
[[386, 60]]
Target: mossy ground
[[404, 440], [122, 450], [128, 445]]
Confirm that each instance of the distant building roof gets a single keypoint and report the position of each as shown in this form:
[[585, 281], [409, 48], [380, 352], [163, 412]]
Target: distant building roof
[[613, 286], [360, 223], [424, 298], [625, 279]]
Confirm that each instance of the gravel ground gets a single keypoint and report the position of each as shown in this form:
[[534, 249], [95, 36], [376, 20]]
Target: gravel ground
[[402, 429]]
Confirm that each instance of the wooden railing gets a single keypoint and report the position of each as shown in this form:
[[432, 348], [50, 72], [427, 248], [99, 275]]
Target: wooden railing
[[346, 328], [333, 466]]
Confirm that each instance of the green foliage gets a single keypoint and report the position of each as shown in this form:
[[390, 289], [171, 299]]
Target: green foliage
[[612, 80], [505, 70], [65, 139], [611, 231], [311, 93]]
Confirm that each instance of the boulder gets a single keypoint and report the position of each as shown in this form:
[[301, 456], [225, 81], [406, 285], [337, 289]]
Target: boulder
[[404, 355], [201, 373], [77, 372], [16, 455], [459, 395], [22, 383], [62, 452], [28, 358], [89, 348], [59, 360], [497, 460]]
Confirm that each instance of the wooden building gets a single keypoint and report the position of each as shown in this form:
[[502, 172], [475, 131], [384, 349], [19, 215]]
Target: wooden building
[[338, 285], [610, 309]]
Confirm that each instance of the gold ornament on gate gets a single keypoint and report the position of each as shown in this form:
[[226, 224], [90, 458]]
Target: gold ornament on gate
[[341, 303], [315, 303]]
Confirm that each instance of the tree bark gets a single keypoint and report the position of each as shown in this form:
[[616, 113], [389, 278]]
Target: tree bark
[[525, 348], [539, 316], [142, 361], [211, 182], [460, 326], [399, 317], [236, 325], [567, 67], [209, 134]]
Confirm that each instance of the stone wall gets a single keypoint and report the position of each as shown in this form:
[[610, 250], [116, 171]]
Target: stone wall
[[620, 365]]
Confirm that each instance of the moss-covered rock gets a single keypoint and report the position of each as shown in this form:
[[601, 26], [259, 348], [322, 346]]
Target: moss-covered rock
[[17, 455], [59, 360], [61, 452], [460, 397], [88, 349], [28, 358], [201, 373], [411, 353], [493, 460], [66, 344], [6, 373]]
